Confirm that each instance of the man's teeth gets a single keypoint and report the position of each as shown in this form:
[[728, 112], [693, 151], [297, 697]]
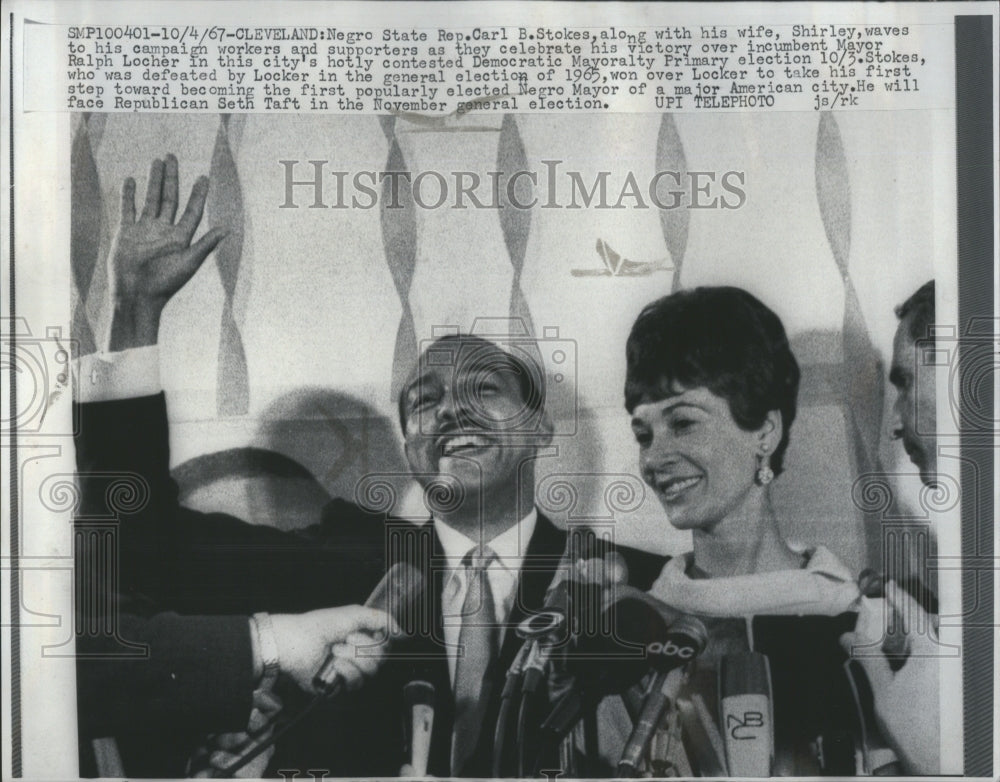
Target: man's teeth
[[463, 441]]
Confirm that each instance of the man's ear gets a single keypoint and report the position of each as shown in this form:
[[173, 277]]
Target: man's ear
[[771, 431]]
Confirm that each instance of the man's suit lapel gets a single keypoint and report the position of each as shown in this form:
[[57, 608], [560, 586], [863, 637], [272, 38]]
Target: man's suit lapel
[[424, 551], [537, 570], [544, 553]]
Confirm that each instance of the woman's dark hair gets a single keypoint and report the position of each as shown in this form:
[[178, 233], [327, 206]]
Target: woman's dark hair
[[720, 338]]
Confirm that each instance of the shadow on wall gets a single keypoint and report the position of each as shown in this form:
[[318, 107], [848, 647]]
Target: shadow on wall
[[835, 436], [568, 475], [312, 445]]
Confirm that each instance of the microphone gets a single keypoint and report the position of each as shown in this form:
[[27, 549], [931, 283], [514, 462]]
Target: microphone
[[705, 748], [746, 715], [418, 723], [662, 694], [567, 605], [642, 635], [685, 633], [541, 633], [398, 594], [571, 604]]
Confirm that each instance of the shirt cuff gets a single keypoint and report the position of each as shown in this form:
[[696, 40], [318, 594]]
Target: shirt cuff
[[126, 374]]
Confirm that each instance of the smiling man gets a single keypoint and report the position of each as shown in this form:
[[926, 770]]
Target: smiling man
[[473, 414], [473, 419]]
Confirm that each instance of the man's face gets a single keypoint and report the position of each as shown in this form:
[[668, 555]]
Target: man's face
[[465, 420], [914, 415]]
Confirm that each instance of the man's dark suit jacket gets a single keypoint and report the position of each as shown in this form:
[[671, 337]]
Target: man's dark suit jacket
[[174, 559]]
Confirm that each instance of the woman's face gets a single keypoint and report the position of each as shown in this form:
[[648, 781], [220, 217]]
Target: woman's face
[[694, 456]]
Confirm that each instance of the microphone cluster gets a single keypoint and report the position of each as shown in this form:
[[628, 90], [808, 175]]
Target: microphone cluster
[[595, 636]]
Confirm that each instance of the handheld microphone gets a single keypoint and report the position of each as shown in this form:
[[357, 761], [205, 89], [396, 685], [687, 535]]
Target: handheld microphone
[[685, 640], [643, 635], [663, 693], [541, 633], [418, 723], [398, 594], [746, 715], [572, 605]]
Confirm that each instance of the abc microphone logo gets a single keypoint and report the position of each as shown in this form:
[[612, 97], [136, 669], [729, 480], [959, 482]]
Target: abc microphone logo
[[682, 650]]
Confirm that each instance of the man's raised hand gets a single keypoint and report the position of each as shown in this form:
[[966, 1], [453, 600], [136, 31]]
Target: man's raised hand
[[153, 257]]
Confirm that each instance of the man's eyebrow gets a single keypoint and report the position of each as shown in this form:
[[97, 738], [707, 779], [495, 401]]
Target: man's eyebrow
[[417, 382]]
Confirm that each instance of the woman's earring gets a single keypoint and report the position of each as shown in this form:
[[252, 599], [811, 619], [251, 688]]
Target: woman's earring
[[764, 472]]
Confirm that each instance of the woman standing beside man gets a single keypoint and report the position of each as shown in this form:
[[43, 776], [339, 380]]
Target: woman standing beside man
[[712, 388]]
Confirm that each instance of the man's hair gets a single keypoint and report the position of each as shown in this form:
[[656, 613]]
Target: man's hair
[[484, 357], [919, 308], [720, 338]]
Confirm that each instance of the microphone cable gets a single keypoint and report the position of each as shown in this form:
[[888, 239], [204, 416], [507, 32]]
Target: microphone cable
[[397, 593], [306, 710], [511, 686]]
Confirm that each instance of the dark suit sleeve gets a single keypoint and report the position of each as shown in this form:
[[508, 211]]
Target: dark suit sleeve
[[196, 672], [152, 573], [200, 563]]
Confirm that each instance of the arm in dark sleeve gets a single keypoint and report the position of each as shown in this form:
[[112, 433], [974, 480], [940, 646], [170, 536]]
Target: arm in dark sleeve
[[173, 556], [196, 674], [201, 563]]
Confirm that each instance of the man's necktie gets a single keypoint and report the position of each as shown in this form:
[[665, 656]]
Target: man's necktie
[[478, 641]]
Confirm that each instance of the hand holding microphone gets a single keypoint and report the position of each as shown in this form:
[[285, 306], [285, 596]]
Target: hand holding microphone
[[345, 637], [296, 644], [303, 642], [394, 599]]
